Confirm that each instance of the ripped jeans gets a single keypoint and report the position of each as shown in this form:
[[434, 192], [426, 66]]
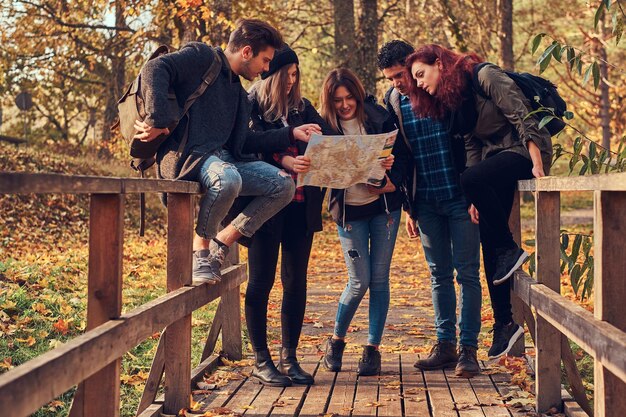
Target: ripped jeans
[[226, 178], [367, 246]]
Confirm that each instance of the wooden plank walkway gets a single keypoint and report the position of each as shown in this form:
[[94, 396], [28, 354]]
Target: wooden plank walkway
[[399, 391]]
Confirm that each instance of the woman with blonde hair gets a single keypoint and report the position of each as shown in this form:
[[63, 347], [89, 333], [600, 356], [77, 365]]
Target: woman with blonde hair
[[277, 102], [367, 218]]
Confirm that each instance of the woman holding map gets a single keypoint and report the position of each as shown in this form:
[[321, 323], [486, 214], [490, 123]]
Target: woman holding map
[[367, 218], [277, 102]]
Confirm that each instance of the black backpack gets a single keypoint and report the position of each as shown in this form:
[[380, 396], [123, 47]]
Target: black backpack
[[131, 107], [539, 91]]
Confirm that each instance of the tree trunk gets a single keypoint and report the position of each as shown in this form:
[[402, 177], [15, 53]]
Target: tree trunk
[[454, 27], [219, 29], [189, 30], [367, 45], [505, 9], [605, 102], [344, 33], [118, 77]]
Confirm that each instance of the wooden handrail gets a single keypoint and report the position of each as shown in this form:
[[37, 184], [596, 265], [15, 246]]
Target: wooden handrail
[[601, 339], [45, 183], [93, 359], [56, 371], [559, 319], [599, 182]]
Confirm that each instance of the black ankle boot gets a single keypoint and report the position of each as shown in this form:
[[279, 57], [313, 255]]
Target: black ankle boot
[[370, 362], [334, 354], [289, 366], [265, 371]]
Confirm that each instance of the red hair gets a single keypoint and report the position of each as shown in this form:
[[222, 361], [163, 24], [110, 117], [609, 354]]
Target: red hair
[[454, 80]]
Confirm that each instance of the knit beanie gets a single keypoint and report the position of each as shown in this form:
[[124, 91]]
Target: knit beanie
[[283, 56]]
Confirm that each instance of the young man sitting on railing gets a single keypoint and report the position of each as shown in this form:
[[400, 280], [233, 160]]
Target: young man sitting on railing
[[220, 150]]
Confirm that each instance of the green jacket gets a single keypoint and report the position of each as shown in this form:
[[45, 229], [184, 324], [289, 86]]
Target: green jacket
[[500, 125]]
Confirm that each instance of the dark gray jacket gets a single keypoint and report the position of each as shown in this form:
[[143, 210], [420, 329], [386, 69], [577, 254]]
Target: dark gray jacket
[[218, 119]]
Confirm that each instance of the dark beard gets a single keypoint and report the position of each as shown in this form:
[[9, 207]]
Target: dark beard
[[245, 71]]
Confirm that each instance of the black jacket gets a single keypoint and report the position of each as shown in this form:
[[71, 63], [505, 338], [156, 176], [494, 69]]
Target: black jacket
[[313, 196], [378, 120]]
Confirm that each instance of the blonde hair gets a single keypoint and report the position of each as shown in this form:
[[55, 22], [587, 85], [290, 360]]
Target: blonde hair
[[335, 79], [271, 94]]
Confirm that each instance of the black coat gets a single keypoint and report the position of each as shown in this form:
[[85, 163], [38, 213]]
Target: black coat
[[378, 120], [313, 196]]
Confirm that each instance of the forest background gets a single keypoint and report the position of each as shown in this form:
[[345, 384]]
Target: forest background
[[75, 57]]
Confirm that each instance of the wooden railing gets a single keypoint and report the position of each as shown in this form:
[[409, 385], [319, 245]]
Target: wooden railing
[[556, 319], [92, 360]]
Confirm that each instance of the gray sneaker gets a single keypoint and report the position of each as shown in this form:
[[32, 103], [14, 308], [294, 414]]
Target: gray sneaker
[[208, 262]]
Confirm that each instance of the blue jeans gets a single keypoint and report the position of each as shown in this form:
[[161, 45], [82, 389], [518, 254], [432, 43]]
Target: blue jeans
[[451, 241], [225, 179], [367, 246]]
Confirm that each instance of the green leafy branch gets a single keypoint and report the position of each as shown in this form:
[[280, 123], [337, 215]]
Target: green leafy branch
[[574, 57], [597, 158], [578, 261]]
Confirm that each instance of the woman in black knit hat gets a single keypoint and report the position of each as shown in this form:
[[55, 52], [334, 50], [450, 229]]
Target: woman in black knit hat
[[276, 103]]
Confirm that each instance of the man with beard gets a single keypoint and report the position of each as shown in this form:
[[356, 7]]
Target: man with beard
[[220, 151]]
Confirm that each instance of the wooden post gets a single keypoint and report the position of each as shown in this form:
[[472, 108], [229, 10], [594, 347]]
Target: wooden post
[[230, 314], [99, 395], [610, 292], [515, 224], [548, 339], [231, 324], [178, 334]]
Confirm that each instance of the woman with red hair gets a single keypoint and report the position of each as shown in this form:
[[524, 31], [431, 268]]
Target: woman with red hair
[[502, 147]]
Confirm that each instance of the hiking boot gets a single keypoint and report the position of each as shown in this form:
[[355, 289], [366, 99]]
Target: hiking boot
[[289, 366], [265, 371], [208, 262], [507, 262], [443, 355], [370, 361], [504, 337], [334, 354], [467, 366]]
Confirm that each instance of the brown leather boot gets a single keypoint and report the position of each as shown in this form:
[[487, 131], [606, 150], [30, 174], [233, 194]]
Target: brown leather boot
[[442, 355], [468, 366]]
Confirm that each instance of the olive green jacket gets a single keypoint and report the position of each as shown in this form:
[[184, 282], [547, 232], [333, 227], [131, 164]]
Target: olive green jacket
[[501, 123]]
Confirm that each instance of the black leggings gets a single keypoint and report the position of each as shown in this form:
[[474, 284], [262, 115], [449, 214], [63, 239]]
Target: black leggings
[[490, 186], [288, 231]]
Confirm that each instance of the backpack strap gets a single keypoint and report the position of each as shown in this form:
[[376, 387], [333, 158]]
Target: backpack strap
[[142, 165], [208, 79], [475, 84]]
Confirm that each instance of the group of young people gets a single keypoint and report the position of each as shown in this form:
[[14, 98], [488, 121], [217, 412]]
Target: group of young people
[[454, 168]]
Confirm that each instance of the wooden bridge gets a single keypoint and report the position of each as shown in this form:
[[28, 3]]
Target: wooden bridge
[[92, 360]]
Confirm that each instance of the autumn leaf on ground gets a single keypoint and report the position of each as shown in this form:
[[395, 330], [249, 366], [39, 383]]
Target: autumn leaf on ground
[[28, 341], [6, 363], [61, 326], [55, 405]]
